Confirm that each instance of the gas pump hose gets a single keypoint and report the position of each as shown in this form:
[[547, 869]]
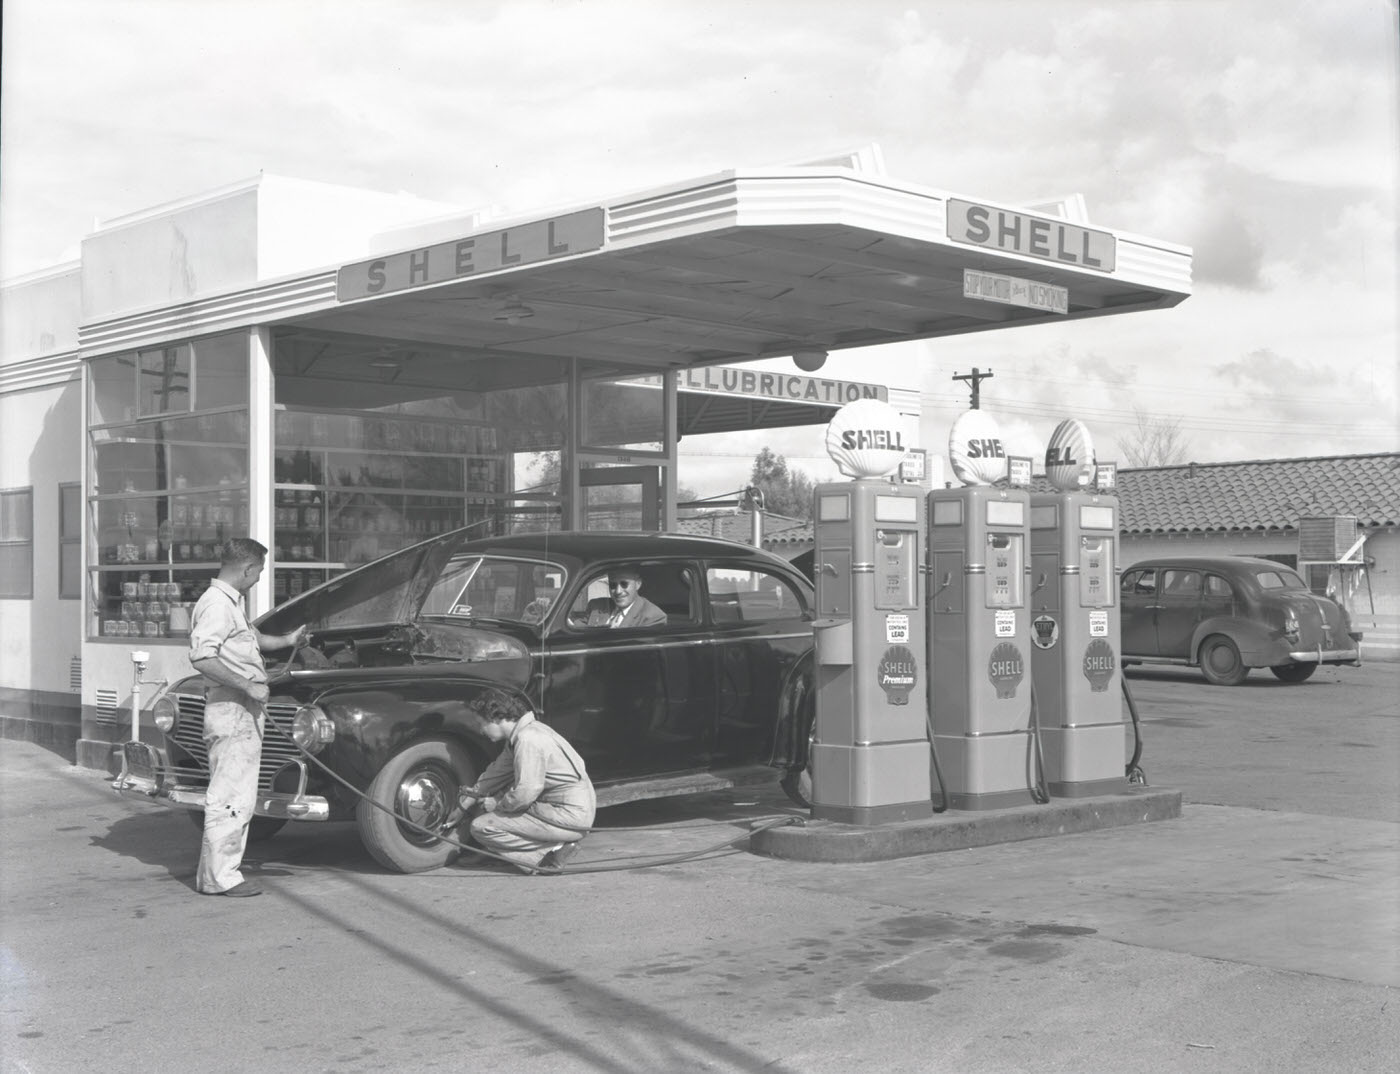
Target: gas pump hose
[[1132, 771], [644, 861], [937, 769], [1040, 792]]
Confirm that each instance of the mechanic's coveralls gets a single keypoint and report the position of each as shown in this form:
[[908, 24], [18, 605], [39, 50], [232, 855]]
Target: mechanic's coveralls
[[233, 724], [543, 795]]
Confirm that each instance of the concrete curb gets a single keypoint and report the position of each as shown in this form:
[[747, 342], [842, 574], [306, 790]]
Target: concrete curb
[[828, 841]]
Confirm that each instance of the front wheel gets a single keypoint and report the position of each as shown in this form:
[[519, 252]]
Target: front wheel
[[1293, 672], [418, 785], [1221, 661]]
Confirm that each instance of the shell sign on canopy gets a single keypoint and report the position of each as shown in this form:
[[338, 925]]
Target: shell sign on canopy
[[864, 439], [1069, 456], [976, 450]]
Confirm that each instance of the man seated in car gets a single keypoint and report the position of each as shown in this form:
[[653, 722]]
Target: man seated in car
[[626, 608]]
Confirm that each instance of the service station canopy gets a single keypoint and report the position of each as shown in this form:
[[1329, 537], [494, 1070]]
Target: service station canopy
[[735, 267]]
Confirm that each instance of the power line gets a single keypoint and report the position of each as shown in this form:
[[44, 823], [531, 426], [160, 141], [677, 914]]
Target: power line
[[1115, 416]]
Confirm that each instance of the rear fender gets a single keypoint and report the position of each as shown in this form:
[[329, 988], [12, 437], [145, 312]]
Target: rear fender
[[1255, 642]]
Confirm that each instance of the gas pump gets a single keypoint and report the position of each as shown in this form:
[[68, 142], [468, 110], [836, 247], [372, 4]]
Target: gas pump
[[870, 760], [978, 626], [1076, 624]]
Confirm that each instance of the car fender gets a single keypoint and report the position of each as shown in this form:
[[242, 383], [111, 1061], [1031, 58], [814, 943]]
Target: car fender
[[1253, 640], [374, 720], [796, 713]]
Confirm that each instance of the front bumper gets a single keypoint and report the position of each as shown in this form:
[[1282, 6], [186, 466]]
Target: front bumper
[[146, 774]]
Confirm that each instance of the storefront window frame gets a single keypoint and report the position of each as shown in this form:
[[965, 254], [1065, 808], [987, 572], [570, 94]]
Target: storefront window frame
[[167, 574], [621, 452]]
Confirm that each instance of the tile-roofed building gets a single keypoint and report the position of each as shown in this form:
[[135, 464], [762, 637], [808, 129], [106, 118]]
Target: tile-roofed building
[[738, 526], [1264, 495]]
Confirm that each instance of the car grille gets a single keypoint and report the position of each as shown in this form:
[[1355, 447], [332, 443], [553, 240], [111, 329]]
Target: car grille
[[277, 750]]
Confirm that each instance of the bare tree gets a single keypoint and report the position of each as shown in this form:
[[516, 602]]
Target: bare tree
[[1154, 441]]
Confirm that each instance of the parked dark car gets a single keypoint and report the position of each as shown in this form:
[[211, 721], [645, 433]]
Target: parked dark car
[[1227, 614], [401, 646]]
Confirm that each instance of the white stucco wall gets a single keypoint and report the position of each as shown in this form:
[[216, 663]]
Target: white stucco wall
[[170, 256], [261, 229], [40, 638], [39, 315]]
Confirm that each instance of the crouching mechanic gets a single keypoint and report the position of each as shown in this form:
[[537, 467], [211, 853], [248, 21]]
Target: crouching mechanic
[[534, 802]]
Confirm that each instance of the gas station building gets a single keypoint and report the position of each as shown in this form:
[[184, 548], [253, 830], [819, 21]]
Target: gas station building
[[339, 373]]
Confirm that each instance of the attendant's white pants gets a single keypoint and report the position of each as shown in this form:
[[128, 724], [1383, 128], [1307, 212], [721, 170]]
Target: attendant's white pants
[[233, 735]]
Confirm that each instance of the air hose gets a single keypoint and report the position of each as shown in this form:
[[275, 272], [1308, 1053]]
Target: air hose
[[775, 822], [1134, 773]]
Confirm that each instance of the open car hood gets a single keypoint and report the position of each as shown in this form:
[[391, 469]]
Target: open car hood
[[389, 590]]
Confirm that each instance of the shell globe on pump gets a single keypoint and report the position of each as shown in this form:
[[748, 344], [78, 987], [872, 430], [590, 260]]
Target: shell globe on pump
[[864, 439], [976, 451], [1069, 456]]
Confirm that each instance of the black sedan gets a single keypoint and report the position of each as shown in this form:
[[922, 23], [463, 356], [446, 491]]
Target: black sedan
[[368, 721], [1227, 614]]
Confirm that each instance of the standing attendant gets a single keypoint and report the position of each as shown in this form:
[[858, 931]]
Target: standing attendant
[[227, 650]]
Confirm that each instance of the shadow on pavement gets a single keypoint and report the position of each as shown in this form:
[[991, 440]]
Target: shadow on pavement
[[170, 841]]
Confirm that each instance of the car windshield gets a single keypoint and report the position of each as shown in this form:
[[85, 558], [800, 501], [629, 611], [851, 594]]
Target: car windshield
[[1279, 579], [495, 587]]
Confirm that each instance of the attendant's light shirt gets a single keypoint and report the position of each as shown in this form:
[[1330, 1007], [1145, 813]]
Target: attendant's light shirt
[[219, 628], [536, 764]]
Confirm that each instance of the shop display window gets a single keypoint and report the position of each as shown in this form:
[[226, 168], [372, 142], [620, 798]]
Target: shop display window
[[382, 443], [164, 380], [168, 484], [183, 378], [624, 414], [351, 487]]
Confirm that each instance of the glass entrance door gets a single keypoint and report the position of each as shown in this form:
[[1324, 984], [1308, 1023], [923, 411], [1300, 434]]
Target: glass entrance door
[[621, 497]]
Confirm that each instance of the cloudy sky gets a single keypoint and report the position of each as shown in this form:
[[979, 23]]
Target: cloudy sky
[[1262, 133]]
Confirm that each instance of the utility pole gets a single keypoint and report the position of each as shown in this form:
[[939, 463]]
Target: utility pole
[[976, 377]]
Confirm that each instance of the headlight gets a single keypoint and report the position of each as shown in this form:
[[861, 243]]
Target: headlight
[[312, 729], [166, 713]]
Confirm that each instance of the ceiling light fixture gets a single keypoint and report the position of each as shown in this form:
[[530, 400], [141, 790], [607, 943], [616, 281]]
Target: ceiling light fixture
[[809, 359], [514, 311]]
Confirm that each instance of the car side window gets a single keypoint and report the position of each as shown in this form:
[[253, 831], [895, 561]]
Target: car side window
[[669, 586], [748, 595], [1217, 588], [1179, 583], [1139, 583], [1279, 580]]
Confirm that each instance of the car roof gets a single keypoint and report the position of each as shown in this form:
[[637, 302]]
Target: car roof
[[1218, 562], [592, 546]]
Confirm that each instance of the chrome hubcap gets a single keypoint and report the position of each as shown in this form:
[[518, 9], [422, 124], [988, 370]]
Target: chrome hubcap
[[423, 800]]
